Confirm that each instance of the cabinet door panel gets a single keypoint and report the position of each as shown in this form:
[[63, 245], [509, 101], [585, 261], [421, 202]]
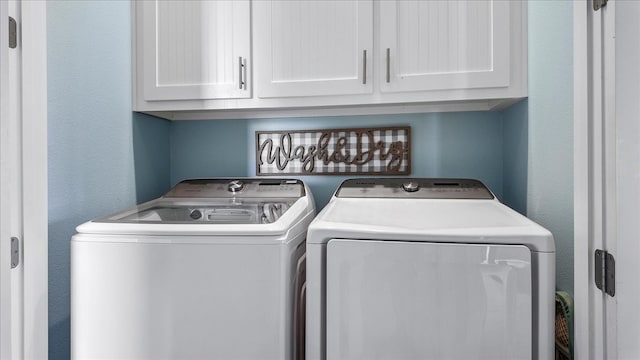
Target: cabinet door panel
[[307, 48], [442, 45], [192, 49]]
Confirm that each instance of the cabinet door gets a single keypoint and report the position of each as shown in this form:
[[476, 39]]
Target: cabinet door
[[443, 45], [310, 48], [195, 49]]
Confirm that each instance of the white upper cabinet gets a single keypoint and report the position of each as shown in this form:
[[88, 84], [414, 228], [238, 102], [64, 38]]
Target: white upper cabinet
[[211, 59], [310, 48], [192, 50], [442, 45]]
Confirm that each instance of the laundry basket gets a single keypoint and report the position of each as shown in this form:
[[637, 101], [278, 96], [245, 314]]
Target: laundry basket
[[564, 326]]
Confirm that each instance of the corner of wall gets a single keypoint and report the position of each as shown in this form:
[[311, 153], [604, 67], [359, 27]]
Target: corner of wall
[[151, 150], [515, 120]]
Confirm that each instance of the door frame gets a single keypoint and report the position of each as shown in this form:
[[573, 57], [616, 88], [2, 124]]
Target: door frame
[[582, 182], [587, 177], [32, 40], [35, 196], [5, 258], [595, 202]]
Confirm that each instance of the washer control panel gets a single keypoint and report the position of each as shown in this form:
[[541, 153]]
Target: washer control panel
[[238, 188], [414, 188]]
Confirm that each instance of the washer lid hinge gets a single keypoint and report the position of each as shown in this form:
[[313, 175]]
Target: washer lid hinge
[[605, 272]]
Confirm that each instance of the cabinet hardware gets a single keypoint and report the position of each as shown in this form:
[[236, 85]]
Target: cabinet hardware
[[388, 65], [13, 33], [364, 66], [242, 73]]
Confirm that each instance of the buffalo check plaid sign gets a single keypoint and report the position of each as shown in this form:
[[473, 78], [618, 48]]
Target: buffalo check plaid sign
[[379, 151]]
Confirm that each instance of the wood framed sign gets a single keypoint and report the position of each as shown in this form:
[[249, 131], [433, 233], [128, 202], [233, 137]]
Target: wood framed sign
[[360, 151]]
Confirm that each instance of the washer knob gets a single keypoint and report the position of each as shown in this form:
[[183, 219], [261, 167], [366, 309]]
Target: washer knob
[[235, 186], [410, 186], [196, 214]]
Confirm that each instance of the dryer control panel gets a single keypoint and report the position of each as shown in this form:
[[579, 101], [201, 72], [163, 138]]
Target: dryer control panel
[[414, 188]]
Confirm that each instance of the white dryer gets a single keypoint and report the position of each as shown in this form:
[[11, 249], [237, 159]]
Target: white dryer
[[211, 270], [416, 269]]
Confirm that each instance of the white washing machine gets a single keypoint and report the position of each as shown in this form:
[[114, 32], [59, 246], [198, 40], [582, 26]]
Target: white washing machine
[[415, 269], [212, 270]]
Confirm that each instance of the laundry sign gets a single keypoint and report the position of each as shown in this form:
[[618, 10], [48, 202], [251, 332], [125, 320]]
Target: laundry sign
[[361, 151]]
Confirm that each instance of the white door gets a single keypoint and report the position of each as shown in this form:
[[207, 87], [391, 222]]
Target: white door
[[10, 200], [443, 45], [391, 300], [627, 118], [195, 50], [23, 180], [5, 249], [313, 48], [607, 177]]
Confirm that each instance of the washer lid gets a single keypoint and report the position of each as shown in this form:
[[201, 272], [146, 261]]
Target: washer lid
[[214, 207], [218, 201], [168, 217], [246, 211]]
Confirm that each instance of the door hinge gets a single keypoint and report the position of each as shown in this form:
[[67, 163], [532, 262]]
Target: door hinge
[[13, 33], [605, 272], [598, 4], [15, 252]]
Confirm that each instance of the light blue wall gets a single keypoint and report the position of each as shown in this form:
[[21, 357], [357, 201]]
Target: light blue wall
[[101, 157], [466, 144], [550, 179], [515, 150]]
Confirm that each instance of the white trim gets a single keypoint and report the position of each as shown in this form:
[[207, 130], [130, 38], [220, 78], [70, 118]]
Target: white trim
[[34, 120], [582, 349], [594, 176], [609, 171], [478, 105], [595, 195], [582, 174], [5, 234]]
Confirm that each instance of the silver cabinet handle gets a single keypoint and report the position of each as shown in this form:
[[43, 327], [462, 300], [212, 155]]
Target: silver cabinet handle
[[364, 66], [388, 65], [242, 73]]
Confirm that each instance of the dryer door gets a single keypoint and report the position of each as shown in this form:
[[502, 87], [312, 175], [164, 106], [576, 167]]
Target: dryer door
[[398, 300]]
